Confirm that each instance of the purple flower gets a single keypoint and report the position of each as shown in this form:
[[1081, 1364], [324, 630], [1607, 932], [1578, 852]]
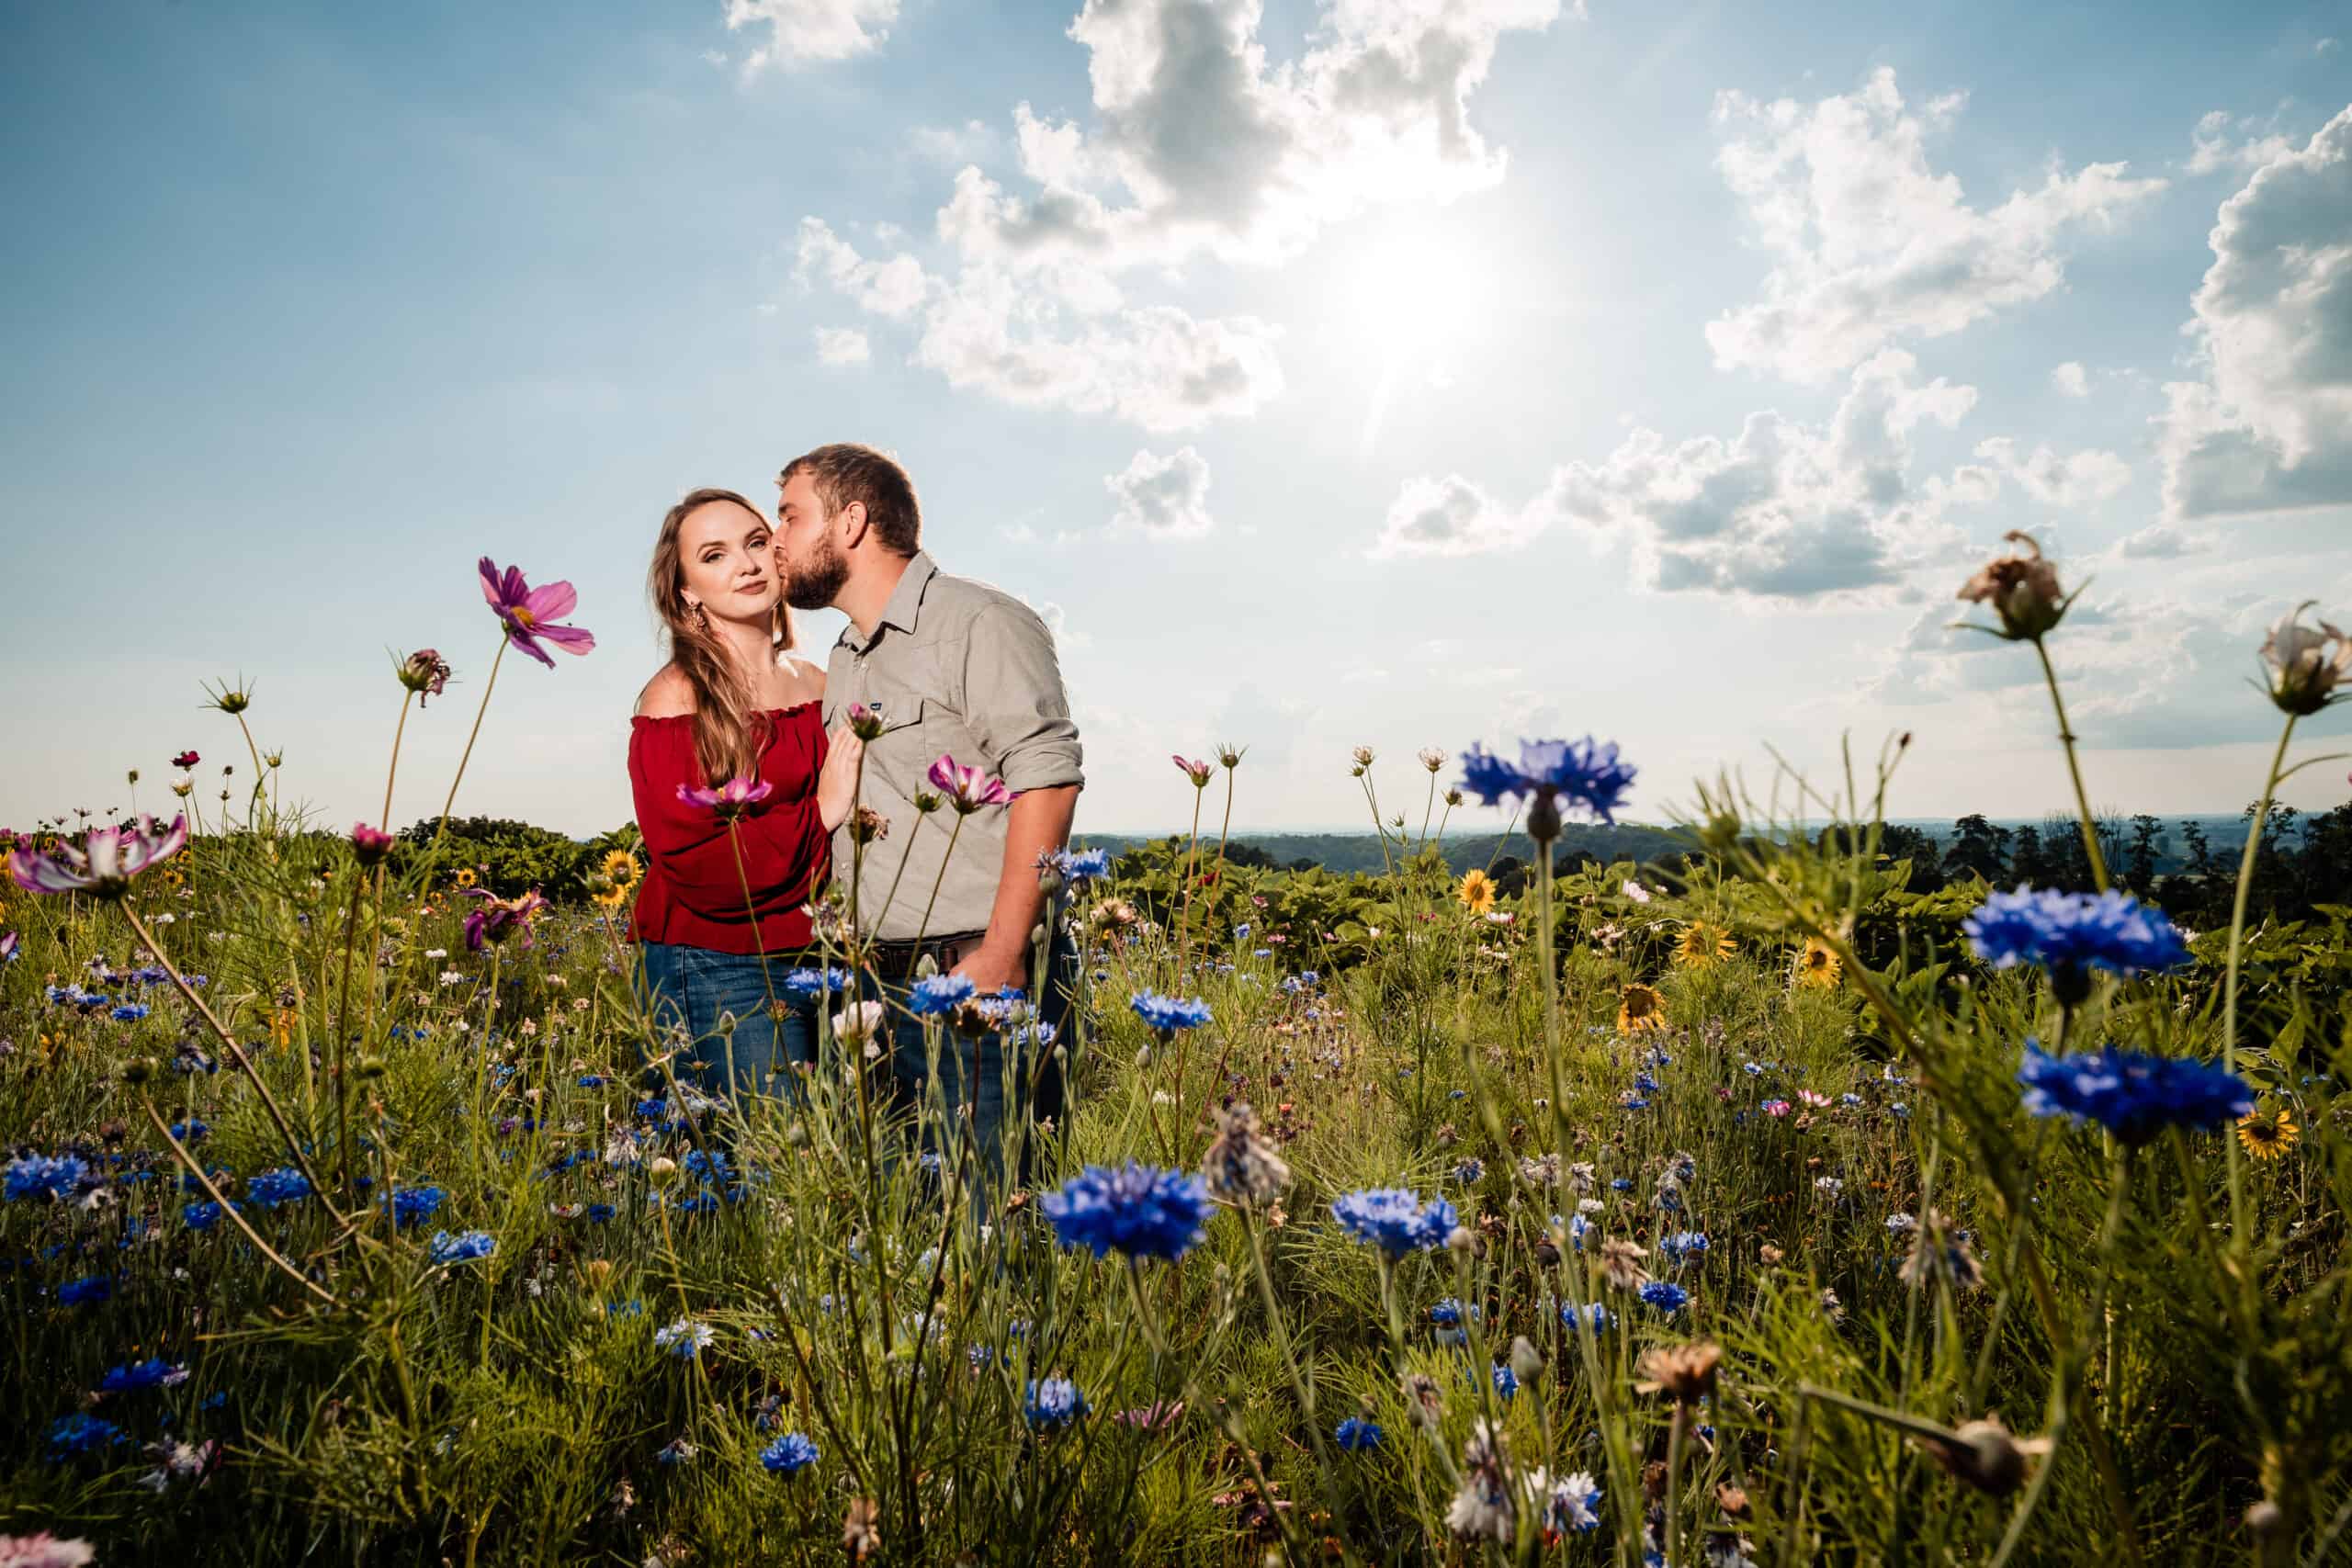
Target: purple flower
[[528, 612], [105, 863], [1587, 772], [969, 789], [7, 947], [1198, 771], [730, 800], [425, 672], [369, 844], [498, 919]]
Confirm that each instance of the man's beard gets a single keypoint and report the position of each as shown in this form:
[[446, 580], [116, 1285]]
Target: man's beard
[[813, 585]]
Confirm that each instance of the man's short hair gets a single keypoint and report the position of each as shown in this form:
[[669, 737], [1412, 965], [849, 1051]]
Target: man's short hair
[[846, 471]]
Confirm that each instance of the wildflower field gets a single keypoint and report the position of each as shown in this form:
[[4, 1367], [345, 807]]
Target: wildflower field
[[1736, 1208]]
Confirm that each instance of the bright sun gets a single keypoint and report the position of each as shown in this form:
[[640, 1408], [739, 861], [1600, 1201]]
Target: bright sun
[[1408, 296]]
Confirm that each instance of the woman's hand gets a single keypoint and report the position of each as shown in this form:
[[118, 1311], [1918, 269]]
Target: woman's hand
[[837, 781]]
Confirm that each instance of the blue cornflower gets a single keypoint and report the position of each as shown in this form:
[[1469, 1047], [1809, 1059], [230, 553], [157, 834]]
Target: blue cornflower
[[1138, 1209], [1355, 1434], [808, 984], [1506, 1380], [81, 1292], [710, 1165], [2133, 1094], [1679, 1247], [1077, 866], [138, 1376], [1053, 1403], [189, 1131], [464, 1246], [598, 1213], [1449, 1313], [2110, 930], [414, 1205], [1599, 1316], [79, 1433], [790, 1454], [54, 1176], [284, 1185], [1666, 1297], [684, 1339], [1621, 1184], [1169, 1014], [1470, 1172], [1241, 932], [1395, 1220], [129, 1012], [940, 994], [1587, 772], [200, 1216], [590, 1080]]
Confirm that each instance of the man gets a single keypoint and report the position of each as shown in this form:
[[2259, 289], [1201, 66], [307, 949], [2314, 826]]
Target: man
[[957, 668]]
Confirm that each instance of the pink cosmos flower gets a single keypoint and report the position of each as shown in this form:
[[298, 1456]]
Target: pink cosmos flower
[[1806, 1097], [969, 789], [1776, 1108], [370, 843], [7, 947], [499, 919], [1195, 771], [42, 1549], [105, 863], [730, 800], [528, 612], [186, 760]]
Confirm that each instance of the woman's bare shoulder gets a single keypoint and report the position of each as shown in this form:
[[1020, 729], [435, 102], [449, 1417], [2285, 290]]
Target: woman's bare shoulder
[[801, 680], [668, 696]]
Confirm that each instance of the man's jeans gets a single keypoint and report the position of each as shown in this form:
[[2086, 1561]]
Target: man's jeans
[[972, 1076], [694, 988]]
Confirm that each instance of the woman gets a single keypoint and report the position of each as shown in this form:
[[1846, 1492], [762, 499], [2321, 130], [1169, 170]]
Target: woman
[[734, 702]]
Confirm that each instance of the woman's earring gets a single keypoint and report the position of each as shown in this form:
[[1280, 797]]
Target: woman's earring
[[702, 616]]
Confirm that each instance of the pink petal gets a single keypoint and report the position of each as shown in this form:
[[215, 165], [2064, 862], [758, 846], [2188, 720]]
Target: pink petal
[[528, 644], [551, 600], [571, 639], [489, 583]]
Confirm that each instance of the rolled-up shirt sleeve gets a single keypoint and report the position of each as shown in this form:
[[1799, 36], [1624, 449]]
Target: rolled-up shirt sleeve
[[1014, 700]]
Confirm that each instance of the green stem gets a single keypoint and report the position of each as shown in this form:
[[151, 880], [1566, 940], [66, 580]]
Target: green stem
[[2229, 983], [2074, 770], [488, 687]]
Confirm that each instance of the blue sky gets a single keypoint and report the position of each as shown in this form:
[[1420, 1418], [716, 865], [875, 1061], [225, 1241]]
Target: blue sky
[[1383, 372]]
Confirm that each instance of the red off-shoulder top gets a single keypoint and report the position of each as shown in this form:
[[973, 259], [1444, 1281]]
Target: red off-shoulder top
[[691, 892]]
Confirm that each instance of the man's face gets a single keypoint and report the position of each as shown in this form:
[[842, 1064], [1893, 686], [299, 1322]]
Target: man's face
[[809, 556]]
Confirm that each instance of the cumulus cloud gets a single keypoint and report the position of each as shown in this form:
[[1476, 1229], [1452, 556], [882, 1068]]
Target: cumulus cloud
[[1783, 509], [2162, 541], [2220, 143], [802, 31], [2268, 427], [842, 346], [2071, 380], [1200, 148], [1870, 243], [1167, 497], [2073, 478]]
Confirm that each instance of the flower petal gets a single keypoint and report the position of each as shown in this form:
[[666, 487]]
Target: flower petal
[[571, 639], [551, 600], [528, 644]]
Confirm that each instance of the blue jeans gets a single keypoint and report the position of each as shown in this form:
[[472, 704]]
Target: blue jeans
[[696, 988]]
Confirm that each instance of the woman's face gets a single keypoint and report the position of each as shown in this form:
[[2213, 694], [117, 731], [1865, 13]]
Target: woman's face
[[724, 556]]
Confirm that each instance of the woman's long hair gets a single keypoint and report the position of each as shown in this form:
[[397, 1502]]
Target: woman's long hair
[[729, 733]]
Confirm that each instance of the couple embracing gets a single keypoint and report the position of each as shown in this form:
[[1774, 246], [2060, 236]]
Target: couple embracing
[[941, 666]]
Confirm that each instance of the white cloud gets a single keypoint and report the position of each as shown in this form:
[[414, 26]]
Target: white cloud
[[1167, 497], [1870, 243], [2326, 46], [2071, 380], [2075, 479], [803, 30], [2162, 541], [842, 346], [2268, 426], [954, 144], [1199, 148], [2212, 146], [1453, 516]]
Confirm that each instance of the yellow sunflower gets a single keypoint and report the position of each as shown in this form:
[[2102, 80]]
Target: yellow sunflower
[[1476, 892], [621, 867], [1817, 964], [608, 894], [1639, 1007], [2266, 1134], [1703, 944], [465, 877]]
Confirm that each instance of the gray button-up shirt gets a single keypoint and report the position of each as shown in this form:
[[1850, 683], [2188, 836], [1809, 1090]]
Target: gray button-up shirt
[[959, 668]]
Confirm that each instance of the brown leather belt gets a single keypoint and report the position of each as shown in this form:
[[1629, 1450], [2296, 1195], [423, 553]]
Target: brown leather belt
[[894, 962]]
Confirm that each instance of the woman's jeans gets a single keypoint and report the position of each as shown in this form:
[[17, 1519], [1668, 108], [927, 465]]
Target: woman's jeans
[[699, 991]]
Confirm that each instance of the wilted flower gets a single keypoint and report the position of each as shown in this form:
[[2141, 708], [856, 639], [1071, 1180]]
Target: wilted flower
[[425, 672], [1241, 1167], [1621, 1265], [1938, 1245], [2023, 589], [529, 612], [969, 789], [2305, 666], [103, 865], [1136, 1210], [867, 826], [1481, 1509], [862, 1529], [1431, 758], [1983, 1454], [1685, 1371], [730, 800]]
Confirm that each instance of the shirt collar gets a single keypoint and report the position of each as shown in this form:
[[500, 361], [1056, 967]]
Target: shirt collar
[[905, 604]]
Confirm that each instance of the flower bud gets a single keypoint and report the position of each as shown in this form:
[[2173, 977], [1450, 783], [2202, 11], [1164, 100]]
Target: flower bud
[[371, 1067], [865, 720], [139, 1069], [368, 844], [1525, 1362], [425, 672], [2305, 666]]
